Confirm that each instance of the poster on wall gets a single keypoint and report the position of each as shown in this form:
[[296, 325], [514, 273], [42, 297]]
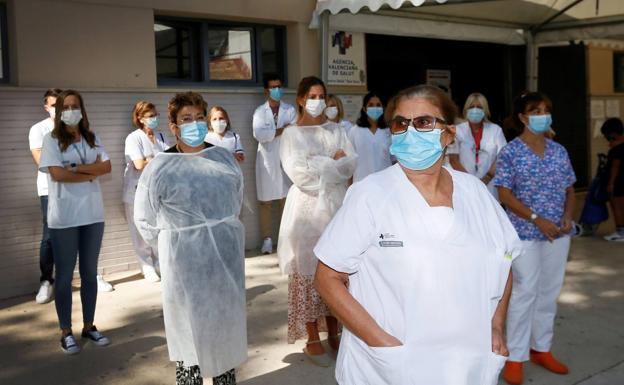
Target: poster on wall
[[440, 79], [346, 59], [352, 105]]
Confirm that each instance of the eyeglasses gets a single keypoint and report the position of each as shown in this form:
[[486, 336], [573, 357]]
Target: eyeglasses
[[424, 123]]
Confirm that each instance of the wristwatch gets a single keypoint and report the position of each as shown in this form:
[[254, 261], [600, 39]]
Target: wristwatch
[[74, 167], [534, 217]]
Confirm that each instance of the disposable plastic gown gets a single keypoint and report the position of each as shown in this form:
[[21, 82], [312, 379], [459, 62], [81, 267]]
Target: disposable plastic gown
[[188, 204], [319, 185]]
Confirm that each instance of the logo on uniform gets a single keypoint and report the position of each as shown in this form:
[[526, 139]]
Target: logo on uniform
[[386, 242]]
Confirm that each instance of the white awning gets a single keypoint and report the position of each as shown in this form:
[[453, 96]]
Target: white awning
[[354, 6]]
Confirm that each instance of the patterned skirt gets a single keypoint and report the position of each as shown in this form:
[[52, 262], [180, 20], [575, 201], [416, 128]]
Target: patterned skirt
[[190, 375], [304, 305]]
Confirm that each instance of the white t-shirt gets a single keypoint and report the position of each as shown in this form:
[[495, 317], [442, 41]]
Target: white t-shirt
[[231, 141], [35, 140], [138, 146], [373, 150], [434, 285], [72, 204]]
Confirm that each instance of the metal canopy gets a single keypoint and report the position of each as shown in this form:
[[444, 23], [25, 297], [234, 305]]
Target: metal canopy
[[513, 22]]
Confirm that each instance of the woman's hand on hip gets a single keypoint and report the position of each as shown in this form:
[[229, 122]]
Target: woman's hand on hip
[[548, 228], [499, 346]]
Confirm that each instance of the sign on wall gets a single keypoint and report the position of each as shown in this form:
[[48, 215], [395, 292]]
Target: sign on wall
[[347, 59], [441, 79]]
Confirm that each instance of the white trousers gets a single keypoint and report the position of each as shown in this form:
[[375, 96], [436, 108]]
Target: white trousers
[[146, 254], [537, 280]]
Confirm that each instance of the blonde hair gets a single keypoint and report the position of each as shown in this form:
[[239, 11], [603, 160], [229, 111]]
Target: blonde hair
[[140, 108], [477, 98], [331, 98], [222, 110]]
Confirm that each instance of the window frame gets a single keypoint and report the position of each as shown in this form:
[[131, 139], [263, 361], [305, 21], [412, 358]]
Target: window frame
[[203, 55], [195, 59], [4, 41]]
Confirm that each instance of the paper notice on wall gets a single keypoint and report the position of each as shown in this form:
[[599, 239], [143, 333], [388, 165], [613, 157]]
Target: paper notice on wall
[[613, 109], [597, 109], [597, 124], [352, 105]]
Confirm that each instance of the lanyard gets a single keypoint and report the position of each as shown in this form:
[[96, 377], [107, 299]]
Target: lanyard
[[83, 155], [477, 139]]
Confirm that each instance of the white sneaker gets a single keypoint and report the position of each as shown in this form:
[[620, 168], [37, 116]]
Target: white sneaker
[[103, 286], [267, 246], [69, 345], [150, 274], [615, 237], [45, 293]]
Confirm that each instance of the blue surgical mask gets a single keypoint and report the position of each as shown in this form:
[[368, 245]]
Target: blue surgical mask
[[374, 112], [275, 93], [475, 115], [194, 133], [417, 150], [539, 124], [151, 123]]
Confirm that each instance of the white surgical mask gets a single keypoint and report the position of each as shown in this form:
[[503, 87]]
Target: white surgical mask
[[71, 117], [52, 112], [331, 112], [218, 126], [315, 107]]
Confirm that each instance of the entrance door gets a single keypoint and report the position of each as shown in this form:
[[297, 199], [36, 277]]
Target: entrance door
[[562, 76]]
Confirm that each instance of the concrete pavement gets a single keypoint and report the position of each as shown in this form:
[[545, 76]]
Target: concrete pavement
[[589, 332]]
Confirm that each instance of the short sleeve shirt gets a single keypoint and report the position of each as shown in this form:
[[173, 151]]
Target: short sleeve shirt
[[617, 153], [540, 184], [35, 141]]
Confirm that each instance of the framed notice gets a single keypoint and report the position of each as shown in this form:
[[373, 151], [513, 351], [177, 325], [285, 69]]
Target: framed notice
[[347, 59]]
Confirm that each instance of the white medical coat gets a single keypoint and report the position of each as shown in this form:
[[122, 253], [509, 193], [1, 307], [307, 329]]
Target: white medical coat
[[434, 292], [138, 146], [271, 182], [373, 150], [319, 185], [492, 141], [188, 204]]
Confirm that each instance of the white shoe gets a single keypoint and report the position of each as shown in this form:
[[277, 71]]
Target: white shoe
[[103, 286], [267, 246], [615, 237], [150, 274], [45, 293]]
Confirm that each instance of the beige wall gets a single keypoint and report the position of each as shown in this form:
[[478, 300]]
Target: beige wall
[[600, 80], [110, 44]]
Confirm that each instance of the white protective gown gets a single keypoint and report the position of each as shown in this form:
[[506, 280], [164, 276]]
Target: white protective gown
[[271, 183], [189, 204], [319, 185], [434, 290], [373, 150], [492, 141]]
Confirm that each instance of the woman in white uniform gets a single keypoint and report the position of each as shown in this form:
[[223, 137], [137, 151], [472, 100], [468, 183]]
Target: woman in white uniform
[[74, 158], [141, 146], [319, 159], [416, 262], [220, 133], [335, 112], [371, 138], [188, 201], [477, 142]]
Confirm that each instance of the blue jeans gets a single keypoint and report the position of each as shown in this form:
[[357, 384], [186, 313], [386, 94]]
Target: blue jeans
[[46, 259], [83, 242]]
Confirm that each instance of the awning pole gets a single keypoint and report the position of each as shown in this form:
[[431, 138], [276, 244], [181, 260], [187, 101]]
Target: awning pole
[[532, 62], [324, 45]]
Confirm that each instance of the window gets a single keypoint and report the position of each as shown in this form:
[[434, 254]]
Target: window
[[618, 71], [4, 63], [214, 53]]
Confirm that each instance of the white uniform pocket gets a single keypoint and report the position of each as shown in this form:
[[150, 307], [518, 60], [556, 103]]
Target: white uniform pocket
[[493, 368], [386, 365]]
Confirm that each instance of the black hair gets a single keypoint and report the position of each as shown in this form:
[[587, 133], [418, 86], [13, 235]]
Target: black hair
[[525, 102], [268, 77], [362, 120], [612, 126]]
